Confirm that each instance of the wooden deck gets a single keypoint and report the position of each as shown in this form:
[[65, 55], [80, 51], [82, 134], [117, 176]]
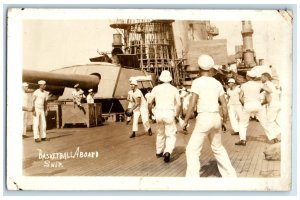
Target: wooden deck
[[120, 155]]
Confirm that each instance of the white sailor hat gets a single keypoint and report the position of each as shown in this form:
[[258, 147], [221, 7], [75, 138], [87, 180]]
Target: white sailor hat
[[206, 62], [76, 85], [90, 90], [165, 76], [133, 82], [41, 82], [25, 84], [261, 69], [251, 74], [231, 80]]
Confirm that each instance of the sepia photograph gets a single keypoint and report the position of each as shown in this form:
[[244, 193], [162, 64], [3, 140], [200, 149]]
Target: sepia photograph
[[153, 99]]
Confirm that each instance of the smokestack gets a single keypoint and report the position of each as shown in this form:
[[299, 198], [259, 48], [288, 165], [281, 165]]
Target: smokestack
[[248, 51]]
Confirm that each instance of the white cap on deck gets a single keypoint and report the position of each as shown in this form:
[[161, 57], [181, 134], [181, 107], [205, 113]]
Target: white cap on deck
[[205, 62], [41, 82], [231, 80], [165, 76], [133, 82], [251, 74]]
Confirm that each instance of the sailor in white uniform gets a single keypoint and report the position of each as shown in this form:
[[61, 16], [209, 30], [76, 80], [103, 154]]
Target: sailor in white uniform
[[251, 100], [25, 108], [167, 107], [139, 108], [130, 102], [39, 112], [273, 103], [78, 95], [90, 97], [234, 105], [206, 92]]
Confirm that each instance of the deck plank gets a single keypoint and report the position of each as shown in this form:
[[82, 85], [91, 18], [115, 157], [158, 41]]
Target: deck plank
[[120, 155]]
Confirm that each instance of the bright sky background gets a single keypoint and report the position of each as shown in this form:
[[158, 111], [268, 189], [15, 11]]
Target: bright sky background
[[55, 43], [58, 43]]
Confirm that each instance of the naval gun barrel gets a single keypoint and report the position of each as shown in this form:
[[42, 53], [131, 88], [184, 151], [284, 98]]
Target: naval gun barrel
[[63, 80]]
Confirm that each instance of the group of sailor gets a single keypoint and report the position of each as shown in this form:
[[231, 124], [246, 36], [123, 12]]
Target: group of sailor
[[207, 100], [213, 107], [257, 97], [39, 107], [39, 110]]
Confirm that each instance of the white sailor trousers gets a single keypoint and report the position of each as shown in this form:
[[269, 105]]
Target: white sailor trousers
[[235, 113], [144, 113], [207, 125], [166, 130], [24, 122], [39, 123], [272, 115], [260, 113]]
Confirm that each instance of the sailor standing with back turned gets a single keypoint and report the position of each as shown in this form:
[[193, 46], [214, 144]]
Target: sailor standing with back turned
[[167, 107], [206, 91], [250, 99]]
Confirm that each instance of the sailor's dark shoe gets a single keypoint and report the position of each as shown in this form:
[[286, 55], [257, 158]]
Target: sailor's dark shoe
[[45, 139], [37, 140], [241, 142], [167, 156], [132, 135], [149, 132], [158, 155]]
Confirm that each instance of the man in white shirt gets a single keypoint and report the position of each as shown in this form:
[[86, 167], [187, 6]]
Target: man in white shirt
[[148, 94], [40, 112], [206, 92], [234, 105], [167, 107], [25, 108], [148, 98], [90, 97], [273, 103], [78, 95], [130, 102], [251, 101], [139, 107], [185, 96]]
